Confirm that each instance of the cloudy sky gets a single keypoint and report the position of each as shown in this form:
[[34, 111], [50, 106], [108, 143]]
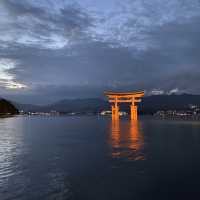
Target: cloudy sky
[[56, 49]]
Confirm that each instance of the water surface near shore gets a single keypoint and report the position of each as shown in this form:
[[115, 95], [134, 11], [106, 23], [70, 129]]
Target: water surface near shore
[[90, 157]]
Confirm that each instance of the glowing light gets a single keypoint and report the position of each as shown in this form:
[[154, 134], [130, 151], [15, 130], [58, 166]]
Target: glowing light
[[5, 66], [126, 140], [7, 80], [15, 85]]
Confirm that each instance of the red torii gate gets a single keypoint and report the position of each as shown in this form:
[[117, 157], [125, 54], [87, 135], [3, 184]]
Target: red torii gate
[[124, 97]]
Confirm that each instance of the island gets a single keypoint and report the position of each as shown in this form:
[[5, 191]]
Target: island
[[7, 108]]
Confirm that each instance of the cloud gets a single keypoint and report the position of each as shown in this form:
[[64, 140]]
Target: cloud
[[7, 80], [174, 91], [29, 24], [129, 22], [157, 92], [64, 49]]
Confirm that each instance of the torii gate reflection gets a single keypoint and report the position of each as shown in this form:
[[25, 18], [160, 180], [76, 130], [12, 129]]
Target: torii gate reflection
[[127, 140], [124, 97]]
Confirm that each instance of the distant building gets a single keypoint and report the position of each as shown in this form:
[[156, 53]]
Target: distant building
[[122, 113], [181, 114], [108, 112], [191, 106]]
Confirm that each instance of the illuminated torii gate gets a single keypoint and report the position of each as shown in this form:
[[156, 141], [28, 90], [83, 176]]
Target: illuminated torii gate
[[124, 97]]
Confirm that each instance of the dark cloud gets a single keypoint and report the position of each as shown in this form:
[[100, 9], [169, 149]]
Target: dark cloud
[[66, 52], [179, 46], [20, 8], [27, 24]]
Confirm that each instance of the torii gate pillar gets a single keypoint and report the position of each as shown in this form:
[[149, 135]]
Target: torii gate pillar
[[115, 112], [134, 114]]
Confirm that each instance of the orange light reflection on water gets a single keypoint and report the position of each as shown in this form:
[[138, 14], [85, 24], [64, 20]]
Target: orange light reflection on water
[[126, 140]]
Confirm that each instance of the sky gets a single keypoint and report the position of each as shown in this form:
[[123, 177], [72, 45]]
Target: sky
[[60, 49]]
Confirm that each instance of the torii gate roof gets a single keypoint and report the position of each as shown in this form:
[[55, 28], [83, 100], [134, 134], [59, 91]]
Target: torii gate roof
[[139, 93], [125, 93]]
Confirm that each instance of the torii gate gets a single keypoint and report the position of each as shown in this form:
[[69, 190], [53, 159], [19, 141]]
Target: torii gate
[[124, 97]]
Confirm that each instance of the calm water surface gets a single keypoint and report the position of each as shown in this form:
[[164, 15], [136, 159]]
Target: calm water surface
[[96, 159]]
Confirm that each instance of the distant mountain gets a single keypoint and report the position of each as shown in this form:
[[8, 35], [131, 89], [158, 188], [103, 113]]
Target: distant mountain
[[68, 105], [7, 107], [149, 104], [79, 105], [28, 107]]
